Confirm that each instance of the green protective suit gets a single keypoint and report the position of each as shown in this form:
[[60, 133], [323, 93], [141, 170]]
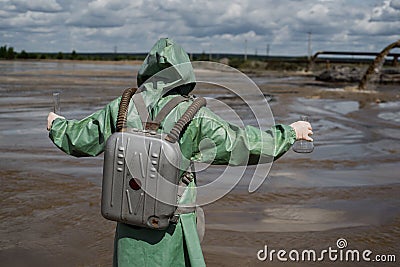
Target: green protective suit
[[179, 244]]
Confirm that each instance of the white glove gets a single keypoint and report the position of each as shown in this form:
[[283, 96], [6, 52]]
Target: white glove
[[303, 130]]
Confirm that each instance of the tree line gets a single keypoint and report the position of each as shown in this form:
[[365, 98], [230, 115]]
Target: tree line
[[234, 60], [9, 53]]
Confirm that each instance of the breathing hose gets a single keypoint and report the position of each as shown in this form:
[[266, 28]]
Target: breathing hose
[[175, 132], [123, 108], [173, 135]]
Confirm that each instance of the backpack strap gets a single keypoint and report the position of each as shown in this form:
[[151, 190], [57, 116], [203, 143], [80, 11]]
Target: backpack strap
[[184, 209], [186, 179], [141, 108], [168, 107], [175, 132], [153, 125]]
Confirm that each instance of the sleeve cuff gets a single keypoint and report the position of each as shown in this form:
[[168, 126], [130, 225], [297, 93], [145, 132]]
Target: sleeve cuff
[[53, 124], [292, 134]]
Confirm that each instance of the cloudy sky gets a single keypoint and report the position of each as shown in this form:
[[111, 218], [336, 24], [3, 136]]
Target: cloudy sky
[[199, 25]]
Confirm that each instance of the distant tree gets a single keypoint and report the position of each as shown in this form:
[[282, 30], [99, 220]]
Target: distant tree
[[10, 53], [74, 55], [60, 55], [3, 51], [23, 55], [203, 56], [32, 56], [7, 53]]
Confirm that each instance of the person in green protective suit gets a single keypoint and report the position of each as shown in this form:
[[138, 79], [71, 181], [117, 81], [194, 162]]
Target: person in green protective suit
[[179, 244]]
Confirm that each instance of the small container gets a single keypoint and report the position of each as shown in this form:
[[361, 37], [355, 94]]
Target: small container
[[56, 100], [303, 146]]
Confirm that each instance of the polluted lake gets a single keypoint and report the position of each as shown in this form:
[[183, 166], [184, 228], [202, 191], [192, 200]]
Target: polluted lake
[[348, 187]]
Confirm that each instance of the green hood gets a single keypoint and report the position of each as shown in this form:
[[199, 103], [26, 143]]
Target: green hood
[[167, 67]]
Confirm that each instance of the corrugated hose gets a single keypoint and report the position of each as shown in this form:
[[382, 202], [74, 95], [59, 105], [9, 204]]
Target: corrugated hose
[[175, 132], [123, 108], [173, 135]]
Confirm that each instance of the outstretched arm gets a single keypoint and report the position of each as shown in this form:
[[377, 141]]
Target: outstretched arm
[[86, 137], [225, 143]]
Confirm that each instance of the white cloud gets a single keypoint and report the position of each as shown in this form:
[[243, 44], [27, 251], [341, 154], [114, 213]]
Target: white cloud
[[30, 20], [389, 11], [96, 20], [233, 11], [99, 14], [317, 14], [34, 5], [106, 5]]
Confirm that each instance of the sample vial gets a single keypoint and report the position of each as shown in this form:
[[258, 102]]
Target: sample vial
[[56, 100]]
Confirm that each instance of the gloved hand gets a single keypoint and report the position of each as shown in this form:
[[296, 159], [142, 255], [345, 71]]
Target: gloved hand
[[303, 129], [50, 118]]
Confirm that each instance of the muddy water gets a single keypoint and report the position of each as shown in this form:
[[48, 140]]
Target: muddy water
[[348, 187]]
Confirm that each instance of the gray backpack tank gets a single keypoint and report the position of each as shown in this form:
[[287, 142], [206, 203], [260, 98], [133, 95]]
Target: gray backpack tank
[[143, 173]]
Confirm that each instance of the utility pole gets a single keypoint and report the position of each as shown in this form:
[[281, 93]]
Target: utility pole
[[245, 50], [309, 45], [115, 52], [267, 50]]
